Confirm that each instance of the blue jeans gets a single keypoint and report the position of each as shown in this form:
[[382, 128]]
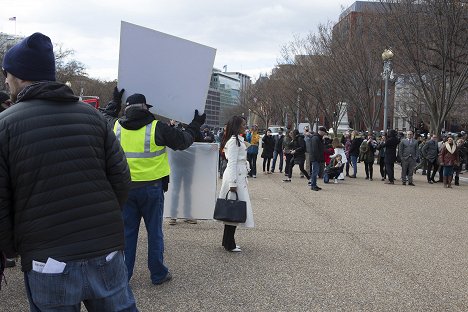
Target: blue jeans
[[354, 163], [275, 155], [146, 202], [315, 172], [448, 171], [100, 284]]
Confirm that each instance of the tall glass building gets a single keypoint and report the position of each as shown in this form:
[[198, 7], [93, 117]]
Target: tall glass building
[[223, 94]]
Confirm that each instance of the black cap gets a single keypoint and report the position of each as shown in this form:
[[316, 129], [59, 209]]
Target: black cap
[[323, 129], [137, 98]]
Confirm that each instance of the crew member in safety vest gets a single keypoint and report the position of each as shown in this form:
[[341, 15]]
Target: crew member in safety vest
[[144, 141]]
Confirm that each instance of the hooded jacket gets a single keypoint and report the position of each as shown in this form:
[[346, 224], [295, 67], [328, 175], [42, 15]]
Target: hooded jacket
[[63, 178]]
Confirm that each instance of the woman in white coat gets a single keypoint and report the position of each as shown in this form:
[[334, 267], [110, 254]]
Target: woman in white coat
[[235, 177]]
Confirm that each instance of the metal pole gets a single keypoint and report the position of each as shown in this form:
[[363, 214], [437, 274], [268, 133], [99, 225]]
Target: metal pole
[[297, 113], [385, 96]]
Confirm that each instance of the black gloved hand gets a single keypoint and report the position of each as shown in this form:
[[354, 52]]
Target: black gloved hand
[[199, 119], [117, 96]]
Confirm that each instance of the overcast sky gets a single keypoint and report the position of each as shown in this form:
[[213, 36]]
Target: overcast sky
[[247, 34]]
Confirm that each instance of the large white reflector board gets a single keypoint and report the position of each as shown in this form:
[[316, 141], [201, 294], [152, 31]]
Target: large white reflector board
[[173, 73], [192, 187]]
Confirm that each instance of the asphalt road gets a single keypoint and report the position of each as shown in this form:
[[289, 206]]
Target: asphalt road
[[354, 246]]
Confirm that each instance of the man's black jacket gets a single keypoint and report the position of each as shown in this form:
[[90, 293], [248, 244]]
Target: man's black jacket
[[63, 178]]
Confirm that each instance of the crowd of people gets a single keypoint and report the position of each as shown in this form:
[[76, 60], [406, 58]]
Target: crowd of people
[[319, 156]]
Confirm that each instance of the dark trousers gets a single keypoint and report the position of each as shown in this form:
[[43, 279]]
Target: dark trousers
[[369, 168], [275, 156], [266, 163], [301, 167], [228, 237], [252, 159], [389, 166], [431, 166], [383, 172], [287, 164]]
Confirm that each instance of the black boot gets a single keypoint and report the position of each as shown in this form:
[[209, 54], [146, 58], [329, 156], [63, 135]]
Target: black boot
[[457, 180]]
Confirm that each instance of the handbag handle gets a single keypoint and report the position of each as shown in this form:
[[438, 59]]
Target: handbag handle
[[237, 196]]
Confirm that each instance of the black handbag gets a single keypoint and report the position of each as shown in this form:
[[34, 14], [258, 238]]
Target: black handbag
[[230, 210]]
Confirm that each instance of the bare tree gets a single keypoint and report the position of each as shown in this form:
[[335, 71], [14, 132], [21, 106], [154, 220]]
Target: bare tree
[[430, 40]]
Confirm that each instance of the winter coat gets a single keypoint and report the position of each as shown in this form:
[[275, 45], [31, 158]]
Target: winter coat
[[449, 159], [63, 178], [287, 144], [253, 138], [235, 175], [268, 145], [366, 152], [316, 148], [279, 143], [355, 145], [208, 136], [165, 135], [298, 145], [430, 150], [390, 145]]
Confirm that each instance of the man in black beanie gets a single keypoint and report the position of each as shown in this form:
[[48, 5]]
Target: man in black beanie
[[144, 140], [63, 180]]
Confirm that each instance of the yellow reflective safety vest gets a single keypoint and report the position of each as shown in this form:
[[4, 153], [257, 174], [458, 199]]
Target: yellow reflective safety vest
[[147, 161]]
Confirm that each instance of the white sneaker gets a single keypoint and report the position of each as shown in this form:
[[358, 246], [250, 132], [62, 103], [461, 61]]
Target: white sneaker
[[336, 181], [236, 250]]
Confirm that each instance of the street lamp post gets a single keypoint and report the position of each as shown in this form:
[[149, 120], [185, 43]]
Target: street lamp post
[[299, 90], [285, 117], [387, 56]]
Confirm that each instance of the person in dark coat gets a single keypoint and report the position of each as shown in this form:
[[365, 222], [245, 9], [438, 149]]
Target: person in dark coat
[[208, 136], [278, 152], [268, 145], [430, 152], [356, 142], [298, 151], [63, 181], [316, 156], [390, 146]]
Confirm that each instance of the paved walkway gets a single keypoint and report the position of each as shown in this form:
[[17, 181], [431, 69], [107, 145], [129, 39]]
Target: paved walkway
[[356, 246]]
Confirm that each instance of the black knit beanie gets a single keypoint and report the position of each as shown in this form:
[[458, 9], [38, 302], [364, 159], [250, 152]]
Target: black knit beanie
[[32, 59]]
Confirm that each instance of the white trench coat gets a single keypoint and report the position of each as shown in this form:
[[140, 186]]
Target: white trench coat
[[235, 175]]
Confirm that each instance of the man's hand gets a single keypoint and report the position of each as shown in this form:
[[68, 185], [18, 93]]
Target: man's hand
[[117, 95], [233, 189], [199, 119]]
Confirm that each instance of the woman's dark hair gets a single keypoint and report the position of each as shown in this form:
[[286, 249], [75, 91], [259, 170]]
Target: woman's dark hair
[[232, 128]]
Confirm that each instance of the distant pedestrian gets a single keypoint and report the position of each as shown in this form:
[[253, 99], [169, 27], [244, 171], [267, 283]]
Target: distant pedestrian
[[381, 157], [316, 157], [278, 152], [448, 158], [268, 145], [430, 152], [390, 146], [298, 153], [408, 151], [288, 156], [356, 141], [252, 152]]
